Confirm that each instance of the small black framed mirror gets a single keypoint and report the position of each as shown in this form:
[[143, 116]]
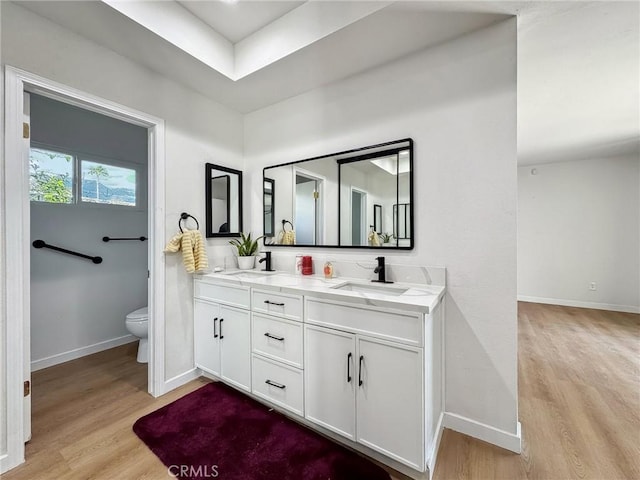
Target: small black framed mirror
[[223, 191], [269, 187], [402, 221], [377, 218]]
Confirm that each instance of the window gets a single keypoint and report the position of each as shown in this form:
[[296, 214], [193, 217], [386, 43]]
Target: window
[[104, 183], [50, 176], [57, 177]]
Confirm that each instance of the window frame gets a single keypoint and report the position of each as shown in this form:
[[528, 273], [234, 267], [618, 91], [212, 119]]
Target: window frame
[[78, 157], [74, 178]]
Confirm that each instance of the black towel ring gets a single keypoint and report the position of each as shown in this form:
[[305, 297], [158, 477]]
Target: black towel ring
[[185, 216], [284, 222]]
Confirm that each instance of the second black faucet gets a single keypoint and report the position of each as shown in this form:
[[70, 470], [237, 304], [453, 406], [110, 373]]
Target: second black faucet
[[380, 270]]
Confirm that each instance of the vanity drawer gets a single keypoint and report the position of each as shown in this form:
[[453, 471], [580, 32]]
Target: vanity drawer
[[390, 325], [236, 296], [277, 339], [281, 304], [280, 384]]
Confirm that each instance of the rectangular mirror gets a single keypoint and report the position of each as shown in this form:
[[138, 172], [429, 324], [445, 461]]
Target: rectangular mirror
[[343, 199], [223, 190], [269, 187]]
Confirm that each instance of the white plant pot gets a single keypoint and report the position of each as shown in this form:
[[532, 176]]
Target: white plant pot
[[246, 263]]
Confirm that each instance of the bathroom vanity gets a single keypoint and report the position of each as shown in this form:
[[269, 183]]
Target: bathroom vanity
[[359, 362]]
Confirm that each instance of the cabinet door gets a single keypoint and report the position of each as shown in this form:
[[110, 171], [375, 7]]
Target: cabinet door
[[206, 342], [235, 340], [330, 376], [390, 404]]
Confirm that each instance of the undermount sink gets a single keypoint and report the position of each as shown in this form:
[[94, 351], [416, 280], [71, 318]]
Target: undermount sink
[[250, 274], [382, 289]]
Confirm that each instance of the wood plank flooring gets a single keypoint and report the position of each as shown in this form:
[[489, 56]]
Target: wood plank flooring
[[579, 401], [579, 391]]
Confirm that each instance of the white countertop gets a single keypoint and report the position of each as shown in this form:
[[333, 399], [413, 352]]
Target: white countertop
[[406, 296]]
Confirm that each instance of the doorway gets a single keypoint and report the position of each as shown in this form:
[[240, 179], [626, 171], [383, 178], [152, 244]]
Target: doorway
[[358, 217], [87, 184], [16, 229], [308, 208]]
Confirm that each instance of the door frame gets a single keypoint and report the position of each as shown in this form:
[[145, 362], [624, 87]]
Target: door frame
[[15, 230]]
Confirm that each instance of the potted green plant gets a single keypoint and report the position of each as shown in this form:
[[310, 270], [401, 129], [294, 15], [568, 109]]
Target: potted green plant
[[247, 249], [386, 237]]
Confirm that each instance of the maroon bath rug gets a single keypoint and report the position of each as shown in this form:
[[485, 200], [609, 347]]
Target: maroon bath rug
[[217, 432]]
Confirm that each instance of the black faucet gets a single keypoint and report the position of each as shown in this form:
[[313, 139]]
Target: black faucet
[[380, 271], [267, 258]]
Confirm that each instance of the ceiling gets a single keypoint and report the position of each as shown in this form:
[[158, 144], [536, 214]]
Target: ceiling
[[578, 62], [237, 20]]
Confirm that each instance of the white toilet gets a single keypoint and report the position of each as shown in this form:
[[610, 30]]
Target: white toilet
[[138, 324]]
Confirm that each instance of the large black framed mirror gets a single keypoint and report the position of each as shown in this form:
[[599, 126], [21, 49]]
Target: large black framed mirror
[[344, 199], [223, 191]]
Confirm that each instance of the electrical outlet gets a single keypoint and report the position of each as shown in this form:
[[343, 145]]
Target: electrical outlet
[[593, 286]]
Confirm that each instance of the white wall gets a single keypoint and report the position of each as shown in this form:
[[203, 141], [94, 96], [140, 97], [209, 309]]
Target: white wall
[[579, 222], [198, 130], [74, 303], [458, 103]]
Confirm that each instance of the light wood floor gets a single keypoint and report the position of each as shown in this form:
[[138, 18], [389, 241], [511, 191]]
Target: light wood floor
[[579, 391], [579, 401]]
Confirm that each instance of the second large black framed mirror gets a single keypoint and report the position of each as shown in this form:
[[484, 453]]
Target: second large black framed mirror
[[345, 199], [223, 192]]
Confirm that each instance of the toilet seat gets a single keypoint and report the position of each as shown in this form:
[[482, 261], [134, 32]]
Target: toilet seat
[[140, 315]]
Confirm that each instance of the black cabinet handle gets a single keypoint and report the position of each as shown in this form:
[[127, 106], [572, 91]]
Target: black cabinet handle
[[360, 371], [349, 367], [215, 334], [221, 336], [269, 302], [274, 384], [280, 339]]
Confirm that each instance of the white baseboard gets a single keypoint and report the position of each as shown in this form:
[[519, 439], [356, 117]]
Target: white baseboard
[[180, 380], [484, 432], [575, 303], [433, 454], [80, 352]]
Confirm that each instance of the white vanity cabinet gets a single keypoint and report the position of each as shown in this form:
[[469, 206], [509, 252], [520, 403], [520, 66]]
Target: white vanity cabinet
[[368, 389], [365, 373], [222, 334]]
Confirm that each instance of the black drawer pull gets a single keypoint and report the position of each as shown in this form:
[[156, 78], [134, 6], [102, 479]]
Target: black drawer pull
[[349, 367], [274, 384], [269, 302], [280, 339], [360, 371], [215, 334], [221, 320]]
